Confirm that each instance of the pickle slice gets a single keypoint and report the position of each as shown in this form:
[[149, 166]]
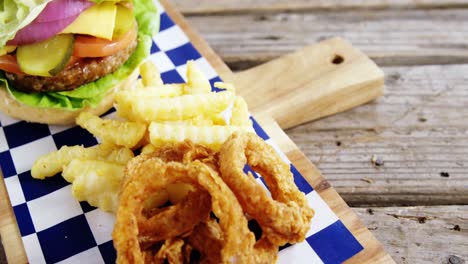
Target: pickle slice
[[45, 58]]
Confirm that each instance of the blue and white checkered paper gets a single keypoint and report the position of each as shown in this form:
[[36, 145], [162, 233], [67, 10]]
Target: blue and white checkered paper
[[57, 228]]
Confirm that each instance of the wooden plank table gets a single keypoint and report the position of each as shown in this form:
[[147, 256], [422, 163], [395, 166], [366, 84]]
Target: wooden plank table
[[416, 202], [418, 129], [346, 76]]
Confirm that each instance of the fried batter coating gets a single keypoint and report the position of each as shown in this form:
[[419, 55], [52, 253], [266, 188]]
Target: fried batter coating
[[286, 217], [207, 238], [150, 174], [175, 220], [218, 185]]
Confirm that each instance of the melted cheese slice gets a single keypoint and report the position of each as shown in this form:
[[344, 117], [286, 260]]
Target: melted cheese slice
[[7, 49], [98, 21]]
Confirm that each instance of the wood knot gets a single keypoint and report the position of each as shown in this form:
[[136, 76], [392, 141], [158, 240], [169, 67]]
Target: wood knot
[[393, 78], [377, 161], [271, 37], [422, 119], [337, 59], [444, 174], [261, 18], [323, 185], [452, 259]]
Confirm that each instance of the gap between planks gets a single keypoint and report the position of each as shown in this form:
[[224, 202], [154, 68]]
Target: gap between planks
[[418, 129], [422, 234], [206, 7], [389, 37]]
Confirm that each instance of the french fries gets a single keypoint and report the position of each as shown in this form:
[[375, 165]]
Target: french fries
[[155, 114], [149, 148], [240, 113], [183, 107], [163, 91], [95, 181], [197, 83], [120, 133], [150, 75], [50, 164], [226, 86], [210, 136]]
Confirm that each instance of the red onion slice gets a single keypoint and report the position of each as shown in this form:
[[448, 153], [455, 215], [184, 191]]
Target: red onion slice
[[55, 17], [61, 9], [36, 32]]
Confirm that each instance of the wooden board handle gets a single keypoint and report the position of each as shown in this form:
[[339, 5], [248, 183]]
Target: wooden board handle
[[314, 82]]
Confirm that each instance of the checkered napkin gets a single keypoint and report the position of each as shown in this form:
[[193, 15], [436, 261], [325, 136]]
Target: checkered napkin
[[57, 228]]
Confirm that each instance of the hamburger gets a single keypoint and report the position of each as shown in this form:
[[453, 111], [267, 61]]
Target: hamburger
[[61, 57]]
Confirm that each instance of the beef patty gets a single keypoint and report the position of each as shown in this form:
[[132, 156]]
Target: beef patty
[[83, 71]]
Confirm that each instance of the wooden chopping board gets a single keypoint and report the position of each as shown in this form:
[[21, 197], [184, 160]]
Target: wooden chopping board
[[314, 82]]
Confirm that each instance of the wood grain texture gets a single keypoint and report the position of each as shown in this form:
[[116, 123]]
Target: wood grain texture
[[198, 42], [9, 232], [373, 251], [389, 37], [201, 7], [321, 80], [418, 128], [420, 234]]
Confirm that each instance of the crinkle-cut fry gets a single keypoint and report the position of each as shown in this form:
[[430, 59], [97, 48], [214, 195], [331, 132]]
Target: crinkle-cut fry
[[204, 120], [95, 181], [196, 121], [209, 136], [139, 85], [176, 108], [218, 119], [112, 153], [240, 113], [226, 86], [150, 74], [197, 83], [52, 163], [160, 91], [121, 133], [124, 106], [148, 148]]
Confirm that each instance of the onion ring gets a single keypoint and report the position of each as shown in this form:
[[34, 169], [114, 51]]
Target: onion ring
[[187, 152], [286, 217], [148, 175], [172, 251], [182, 217], [184, 152], [176, 220], [207, 238]]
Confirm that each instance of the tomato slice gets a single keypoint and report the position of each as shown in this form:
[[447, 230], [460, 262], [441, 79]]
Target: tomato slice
[[85, 46], [88, 46], [8, 63]]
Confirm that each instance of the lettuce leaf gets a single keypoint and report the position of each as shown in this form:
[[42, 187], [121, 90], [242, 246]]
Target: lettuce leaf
[[92, 93], [16, 14]]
